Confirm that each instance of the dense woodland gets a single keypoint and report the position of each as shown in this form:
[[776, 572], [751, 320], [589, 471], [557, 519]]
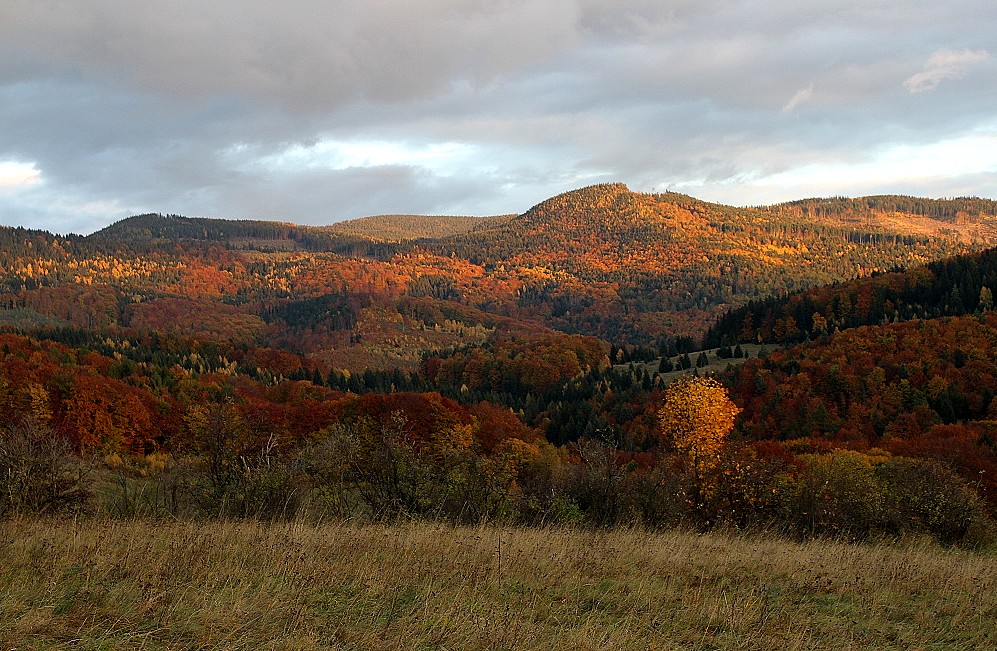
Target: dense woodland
[[526, 369], [952, 286]]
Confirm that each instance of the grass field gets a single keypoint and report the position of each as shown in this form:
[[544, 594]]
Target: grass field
[[715, 365], [174, 585]]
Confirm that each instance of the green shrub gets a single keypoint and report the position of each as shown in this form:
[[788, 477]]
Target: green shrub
[[924, 495], [835, 495]]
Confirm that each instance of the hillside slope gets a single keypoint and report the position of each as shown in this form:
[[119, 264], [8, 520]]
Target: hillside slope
[[624, 265], [400, 228], [953, 286], [603, 261]]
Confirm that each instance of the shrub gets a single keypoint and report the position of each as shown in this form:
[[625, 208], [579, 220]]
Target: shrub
[[924, 495], [595, 484], [266, 491], [836, 495], [39, 472], [746, 487], [660, 495]]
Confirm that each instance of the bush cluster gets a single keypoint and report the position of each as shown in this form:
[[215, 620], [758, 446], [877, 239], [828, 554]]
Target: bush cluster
[[39, 472], [855, 495], [375, 470]]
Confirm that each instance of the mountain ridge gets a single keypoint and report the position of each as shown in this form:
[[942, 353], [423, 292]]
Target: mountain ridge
[[605, 261], [847, 210]]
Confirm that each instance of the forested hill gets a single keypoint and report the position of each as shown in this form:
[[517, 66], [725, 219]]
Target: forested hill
[[951, 287], [176, 227], [158, 229], [401, 228], [611, 218], [672, 262], [958, 210], [149, 232], [627, 267], [612, 211]]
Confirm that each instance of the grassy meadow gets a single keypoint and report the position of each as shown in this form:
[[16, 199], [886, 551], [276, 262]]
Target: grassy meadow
[[109, 584]]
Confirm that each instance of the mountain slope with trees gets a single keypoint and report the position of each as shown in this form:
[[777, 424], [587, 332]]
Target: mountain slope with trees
[[609, 262], [950, 287], [507, 372]]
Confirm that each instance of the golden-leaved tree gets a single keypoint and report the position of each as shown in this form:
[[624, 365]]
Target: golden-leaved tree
[[696, 417]]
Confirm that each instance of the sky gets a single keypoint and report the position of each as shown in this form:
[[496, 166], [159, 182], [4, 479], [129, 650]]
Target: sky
[[317, 111]]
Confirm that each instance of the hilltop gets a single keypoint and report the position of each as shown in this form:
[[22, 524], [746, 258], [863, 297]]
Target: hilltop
[[603, 261], [669, 262]]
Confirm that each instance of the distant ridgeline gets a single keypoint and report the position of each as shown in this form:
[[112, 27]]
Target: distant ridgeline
[[375, 236], [959, 208], [629, 268], [149, 230]]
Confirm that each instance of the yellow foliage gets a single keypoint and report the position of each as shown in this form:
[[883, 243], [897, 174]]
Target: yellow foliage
[[696, 417], [41, 409], [455, 440], [157, 462], [514, 454], [196, 419]]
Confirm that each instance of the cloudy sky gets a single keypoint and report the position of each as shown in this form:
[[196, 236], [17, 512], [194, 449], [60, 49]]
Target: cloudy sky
[[316, 111]]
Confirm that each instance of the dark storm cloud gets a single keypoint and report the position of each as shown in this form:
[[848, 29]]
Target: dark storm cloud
[[317, 111]]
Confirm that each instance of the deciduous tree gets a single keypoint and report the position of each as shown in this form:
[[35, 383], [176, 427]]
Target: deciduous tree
[[696, 417]]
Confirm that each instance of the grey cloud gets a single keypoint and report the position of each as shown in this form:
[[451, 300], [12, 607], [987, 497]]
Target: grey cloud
[[299, 54], [173, 106]]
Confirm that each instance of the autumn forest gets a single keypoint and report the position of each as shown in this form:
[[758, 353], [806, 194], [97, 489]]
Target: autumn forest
[[826, 367]]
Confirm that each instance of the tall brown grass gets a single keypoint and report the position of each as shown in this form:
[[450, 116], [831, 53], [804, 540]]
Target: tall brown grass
[[182, 585]]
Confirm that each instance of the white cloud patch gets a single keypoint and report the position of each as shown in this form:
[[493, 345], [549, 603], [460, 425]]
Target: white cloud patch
[[944, 64], [896, 169], [15, 176], [342, 155], [801, 97]]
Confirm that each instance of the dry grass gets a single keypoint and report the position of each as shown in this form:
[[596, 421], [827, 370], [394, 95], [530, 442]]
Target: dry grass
[[157, 585]]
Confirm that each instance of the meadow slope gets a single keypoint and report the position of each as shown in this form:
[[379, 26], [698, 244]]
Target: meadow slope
[[175, 585]]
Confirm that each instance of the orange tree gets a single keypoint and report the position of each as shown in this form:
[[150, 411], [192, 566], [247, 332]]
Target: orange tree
[[695, 418]]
